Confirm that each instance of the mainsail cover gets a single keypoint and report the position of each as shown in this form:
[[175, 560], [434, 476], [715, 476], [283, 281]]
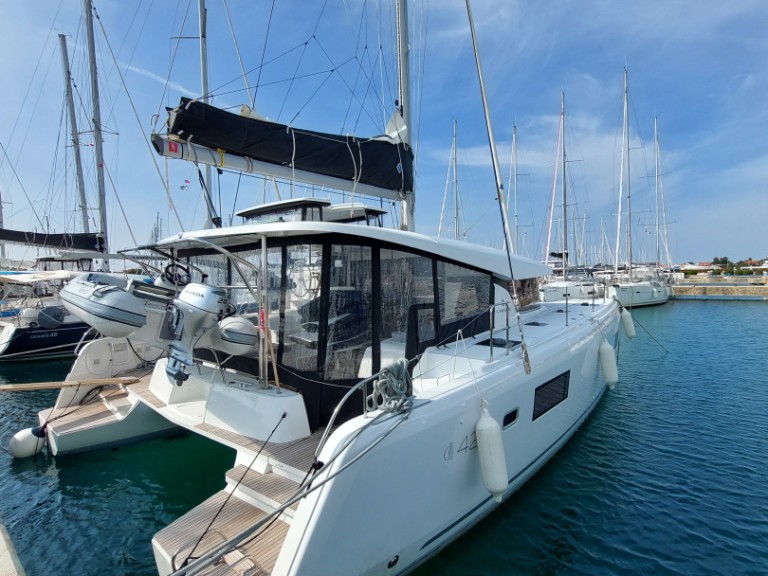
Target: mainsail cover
[[380, 161], [77, 241]]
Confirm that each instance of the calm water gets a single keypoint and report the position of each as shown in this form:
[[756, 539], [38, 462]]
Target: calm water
[[669, 476]]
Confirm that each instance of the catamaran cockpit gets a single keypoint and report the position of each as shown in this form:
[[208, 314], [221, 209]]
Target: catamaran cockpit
[[334, 304]]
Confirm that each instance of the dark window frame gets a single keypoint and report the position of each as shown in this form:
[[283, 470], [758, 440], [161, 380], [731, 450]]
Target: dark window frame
[[550, 394]]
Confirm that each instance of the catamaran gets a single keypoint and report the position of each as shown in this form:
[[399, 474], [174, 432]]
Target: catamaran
[[382, 390]]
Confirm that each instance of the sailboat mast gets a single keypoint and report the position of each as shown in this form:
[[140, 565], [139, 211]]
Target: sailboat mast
[[75, 135], [408, 206], [662, 202], [513, 185], [656, 153], [629, 198], [552, 194], [456, 232], [98, 145], [565, 203], [619, 213], [203, 29]]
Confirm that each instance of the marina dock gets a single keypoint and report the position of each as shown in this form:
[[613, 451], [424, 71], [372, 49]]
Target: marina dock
[[722, 288], [9, 562]]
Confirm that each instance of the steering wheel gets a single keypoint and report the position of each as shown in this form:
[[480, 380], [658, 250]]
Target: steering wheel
[[177, 274]]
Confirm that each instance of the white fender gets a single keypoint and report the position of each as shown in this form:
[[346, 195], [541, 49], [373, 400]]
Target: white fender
[[608, 364], [627, 323], [235, 335], [490, 448], [24, 444]]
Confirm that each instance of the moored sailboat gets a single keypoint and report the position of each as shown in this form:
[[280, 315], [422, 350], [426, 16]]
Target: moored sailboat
[[635, 287], [572, 282]]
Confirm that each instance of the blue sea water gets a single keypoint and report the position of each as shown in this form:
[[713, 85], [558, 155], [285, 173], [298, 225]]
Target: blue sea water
[[669, 476]]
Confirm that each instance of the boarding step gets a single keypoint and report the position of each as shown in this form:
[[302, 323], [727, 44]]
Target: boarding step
[[101, 410], [293, 459], [269, 491], [213, 523]]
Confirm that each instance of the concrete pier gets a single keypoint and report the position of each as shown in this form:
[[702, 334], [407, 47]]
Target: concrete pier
[[9, 562], [722, 288]]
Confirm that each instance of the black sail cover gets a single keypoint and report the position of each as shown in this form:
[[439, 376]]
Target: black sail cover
[[380, 161], [76, 241]]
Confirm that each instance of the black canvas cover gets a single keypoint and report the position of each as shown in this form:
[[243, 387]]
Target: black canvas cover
[[78, 241], [376, 162]]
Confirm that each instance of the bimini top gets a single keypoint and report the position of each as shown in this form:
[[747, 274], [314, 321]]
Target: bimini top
[[481, 257]]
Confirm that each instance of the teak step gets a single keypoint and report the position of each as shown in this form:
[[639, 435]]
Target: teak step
[[95, 413], [270, 489], [190, 536]]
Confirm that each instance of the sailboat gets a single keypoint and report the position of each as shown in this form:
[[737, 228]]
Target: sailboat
[[40, 327], [573, 283], [636, 287], [376, 415]]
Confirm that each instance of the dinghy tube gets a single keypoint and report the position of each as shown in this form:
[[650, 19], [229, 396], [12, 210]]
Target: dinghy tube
[[627, 323], [608, 364], [490, 448], [108, 308]]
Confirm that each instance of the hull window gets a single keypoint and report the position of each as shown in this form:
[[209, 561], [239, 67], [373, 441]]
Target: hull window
[[551, 394]]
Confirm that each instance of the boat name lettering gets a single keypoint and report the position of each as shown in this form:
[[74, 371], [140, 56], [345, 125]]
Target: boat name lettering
[[44, 335], [468, 443]]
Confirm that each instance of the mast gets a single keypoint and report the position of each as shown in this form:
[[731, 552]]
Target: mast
[[663, 230], [656, 153], [408, 207], [456, 233], [75, 135], [565, 204], [624, 137], [451, 166], [203, 29], [629, 201], [552, 194], [97, 127], [513, 186], [2, 225]]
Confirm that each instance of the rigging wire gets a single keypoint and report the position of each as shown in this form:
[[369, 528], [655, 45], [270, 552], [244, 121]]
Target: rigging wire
[[24, 190], [301, 58], [237, 49], [263, 53], [166, 185], [120, 204], [156, 116], [32, 79]]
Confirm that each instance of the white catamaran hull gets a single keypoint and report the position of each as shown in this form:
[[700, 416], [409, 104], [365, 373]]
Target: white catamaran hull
[[418, 473], [429, 465]]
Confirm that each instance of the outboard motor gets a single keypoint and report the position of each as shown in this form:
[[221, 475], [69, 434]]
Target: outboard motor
[[196, 310]]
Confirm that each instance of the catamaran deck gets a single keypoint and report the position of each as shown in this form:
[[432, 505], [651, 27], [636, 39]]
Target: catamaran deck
[[249, 495], [95, 411], [217, 520]]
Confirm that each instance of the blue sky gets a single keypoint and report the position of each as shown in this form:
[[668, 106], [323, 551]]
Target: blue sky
[[700, 66]]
